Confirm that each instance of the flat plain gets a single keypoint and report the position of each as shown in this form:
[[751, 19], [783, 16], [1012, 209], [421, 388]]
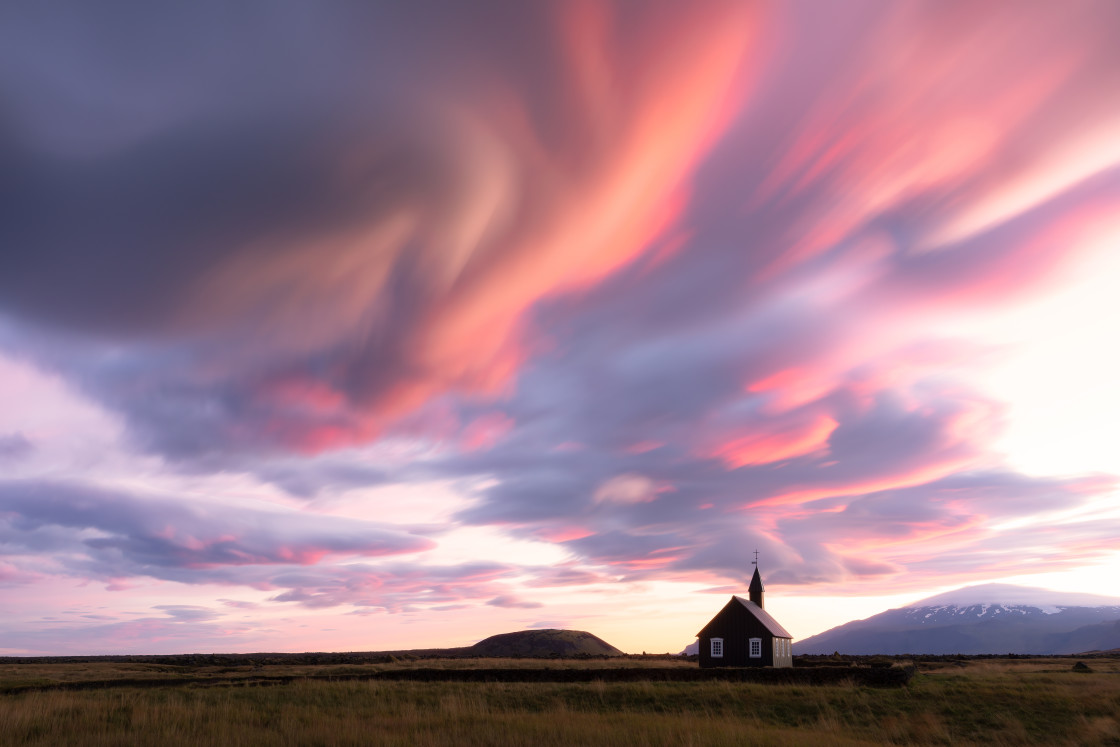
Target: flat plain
[[281, 701]]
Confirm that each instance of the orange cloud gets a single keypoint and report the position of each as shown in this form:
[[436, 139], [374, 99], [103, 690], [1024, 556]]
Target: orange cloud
[[644, 112], [896, 478], [775, 442], [521, 208], [936, 106]]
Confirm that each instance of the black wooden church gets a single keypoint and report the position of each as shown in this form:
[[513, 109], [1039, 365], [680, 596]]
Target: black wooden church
[[744, 634]]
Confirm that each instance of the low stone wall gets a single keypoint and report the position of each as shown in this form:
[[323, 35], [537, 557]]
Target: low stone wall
[[873, 676]]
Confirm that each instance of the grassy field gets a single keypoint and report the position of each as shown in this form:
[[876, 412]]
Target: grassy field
[[18, 675], [971, 701]]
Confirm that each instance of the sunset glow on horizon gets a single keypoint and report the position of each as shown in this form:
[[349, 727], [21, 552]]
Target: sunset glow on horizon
[[384, 326]]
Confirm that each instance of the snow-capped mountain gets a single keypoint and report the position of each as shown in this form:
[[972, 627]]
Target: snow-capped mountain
[[1008, 594], [985, 619]]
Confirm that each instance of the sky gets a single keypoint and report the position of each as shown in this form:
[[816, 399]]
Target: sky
[[370, 326]]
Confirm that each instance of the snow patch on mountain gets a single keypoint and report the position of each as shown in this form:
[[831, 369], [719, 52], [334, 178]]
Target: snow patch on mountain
[[943, 613], [1009, 595]]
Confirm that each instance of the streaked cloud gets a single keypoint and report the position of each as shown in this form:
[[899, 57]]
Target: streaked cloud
[[112, 534], [307, 321]]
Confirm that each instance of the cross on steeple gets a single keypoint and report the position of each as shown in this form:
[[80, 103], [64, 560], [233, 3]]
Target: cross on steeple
[[755, 561]]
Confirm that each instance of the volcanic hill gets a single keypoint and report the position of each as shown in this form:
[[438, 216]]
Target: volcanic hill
[[543, 644]]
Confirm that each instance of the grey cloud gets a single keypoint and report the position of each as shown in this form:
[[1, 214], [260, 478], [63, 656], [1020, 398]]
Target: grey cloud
[[14, 446], [186, 613], [141, 634], [116, 534], [511, 602], [547, 624], [281, 552], [568, 576], [393, 587]]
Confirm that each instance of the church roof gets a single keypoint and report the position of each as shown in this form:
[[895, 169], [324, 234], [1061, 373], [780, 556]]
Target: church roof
[[772, 626], [764, 617]]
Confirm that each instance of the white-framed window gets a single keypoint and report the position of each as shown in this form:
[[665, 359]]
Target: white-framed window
[[756, 648], [717, 648]]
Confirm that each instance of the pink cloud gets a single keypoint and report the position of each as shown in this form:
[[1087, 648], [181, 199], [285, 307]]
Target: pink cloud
[[641, 447], [562, 533], [485, 430], [775, 441]]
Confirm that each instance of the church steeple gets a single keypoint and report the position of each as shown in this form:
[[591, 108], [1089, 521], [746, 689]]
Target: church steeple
[[757, 589]]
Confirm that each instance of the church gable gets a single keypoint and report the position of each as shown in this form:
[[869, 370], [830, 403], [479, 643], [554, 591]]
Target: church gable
[[743, 634]]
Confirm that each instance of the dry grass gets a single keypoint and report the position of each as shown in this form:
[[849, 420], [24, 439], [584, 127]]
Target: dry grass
[[1020, 665], [17, 675], [992, 702]]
